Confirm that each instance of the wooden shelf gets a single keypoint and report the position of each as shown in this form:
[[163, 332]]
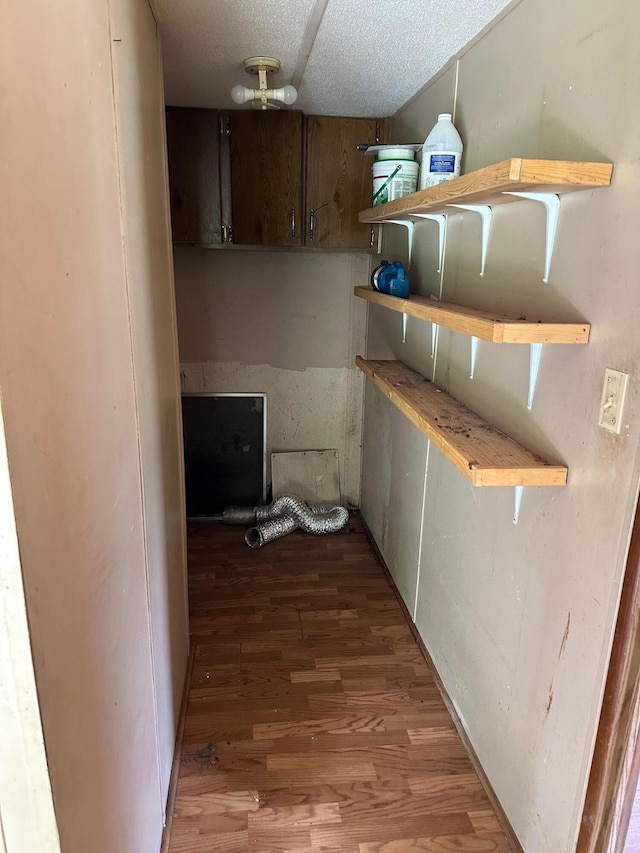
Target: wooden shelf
[[486, 456], [489, 184], [496, 328]]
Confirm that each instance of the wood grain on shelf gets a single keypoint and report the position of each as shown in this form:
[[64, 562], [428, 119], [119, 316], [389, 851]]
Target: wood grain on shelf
[[497, 328], [488, 185], [483, 453]]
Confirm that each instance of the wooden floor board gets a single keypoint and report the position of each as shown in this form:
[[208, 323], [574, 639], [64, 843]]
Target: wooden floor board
[[314, 723]]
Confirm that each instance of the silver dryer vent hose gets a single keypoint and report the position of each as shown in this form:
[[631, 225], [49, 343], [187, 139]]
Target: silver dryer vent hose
[[287, 513]]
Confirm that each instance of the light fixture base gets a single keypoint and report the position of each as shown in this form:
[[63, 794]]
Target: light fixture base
[[256, 64]]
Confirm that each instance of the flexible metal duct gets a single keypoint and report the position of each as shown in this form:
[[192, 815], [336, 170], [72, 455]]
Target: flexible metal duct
[[239, 515], [258, 536], [287, 513]]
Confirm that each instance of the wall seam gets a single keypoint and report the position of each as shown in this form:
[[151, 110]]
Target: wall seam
[[125, 264], [174, 339]]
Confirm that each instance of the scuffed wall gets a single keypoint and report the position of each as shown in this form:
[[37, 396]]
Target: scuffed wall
[[286, 324], [519, 619]]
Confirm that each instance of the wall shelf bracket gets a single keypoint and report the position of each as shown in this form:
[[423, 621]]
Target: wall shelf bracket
[[405, 317], [410, 226], [552, 203], [517, 502], [534, 366], [474, 355], [484, 210], [435, 328], [441, 219]]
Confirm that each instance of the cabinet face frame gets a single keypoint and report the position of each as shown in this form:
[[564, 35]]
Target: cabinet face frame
[[266, 177], [259, 178], [338, 181], [193, 152]]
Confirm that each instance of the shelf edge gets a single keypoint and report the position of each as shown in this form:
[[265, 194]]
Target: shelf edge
[[515, 173], [537, 473], [495, 328]]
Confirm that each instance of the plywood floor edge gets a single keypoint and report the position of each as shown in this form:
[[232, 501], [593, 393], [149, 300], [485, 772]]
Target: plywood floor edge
[[477, 764], [177, 754]]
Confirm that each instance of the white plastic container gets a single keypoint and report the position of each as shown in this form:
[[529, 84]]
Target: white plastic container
[[393, 179], [441, 153], [396, 152]]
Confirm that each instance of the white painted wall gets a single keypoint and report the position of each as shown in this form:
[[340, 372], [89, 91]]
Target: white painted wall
[[287, 324], [519, 620], [89, 380]]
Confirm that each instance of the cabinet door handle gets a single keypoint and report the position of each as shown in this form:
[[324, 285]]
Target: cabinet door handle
[[224, 233], [372, 239], [293, 223], [312, 219]]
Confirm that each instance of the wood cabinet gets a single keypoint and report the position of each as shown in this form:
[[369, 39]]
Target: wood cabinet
[[266, 178], [338, 181], [193, 151], [262, 178]]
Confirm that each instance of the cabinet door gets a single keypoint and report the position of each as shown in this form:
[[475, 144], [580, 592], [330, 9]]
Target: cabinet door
[[339, 181], [193, 145], [266, 177]]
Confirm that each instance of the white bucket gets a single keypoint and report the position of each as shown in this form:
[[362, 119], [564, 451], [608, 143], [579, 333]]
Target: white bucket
[[396, 152], [393, 179]]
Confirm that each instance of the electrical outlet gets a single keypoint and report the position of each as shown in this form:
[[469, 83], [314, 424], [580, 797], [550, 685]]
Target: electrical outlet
[[613, 392]]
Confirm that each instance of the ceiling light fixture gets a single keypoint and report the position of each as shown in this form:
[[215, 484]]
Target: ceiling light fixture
[[263, 97]]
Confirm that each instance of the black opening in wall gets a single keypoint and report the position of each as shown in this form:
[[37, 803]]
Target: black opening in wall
[[224, 451]]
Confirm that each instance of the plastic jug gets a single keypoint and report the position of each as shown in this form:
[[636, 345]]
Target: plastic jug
[[441, 153]]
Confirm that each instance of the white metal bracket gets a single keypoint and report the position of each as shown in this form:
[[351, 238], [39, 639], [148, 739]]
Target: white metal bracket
[[534, 366], [474, 355], [484, 210], [410, 226], [552, 203], [435, 328], [517, 503], [404, 327], [441, 219]]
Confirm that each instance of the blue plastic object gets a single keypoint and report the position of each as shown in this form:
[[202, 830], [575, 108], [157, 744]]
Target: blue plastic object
[[399, 286], [391, 278]]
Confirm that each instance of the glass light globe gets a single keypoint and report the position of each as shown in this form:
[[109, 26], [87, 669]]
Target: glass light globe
[[240, 94], [289, 95]]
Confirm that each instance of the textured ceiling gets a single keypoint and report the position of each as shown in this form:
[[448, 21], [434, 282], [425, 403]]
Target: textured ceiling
[[348, 57]]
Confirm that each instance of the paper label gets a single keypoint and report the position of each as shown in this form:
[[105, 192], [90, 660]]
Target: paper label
[[442, 163]]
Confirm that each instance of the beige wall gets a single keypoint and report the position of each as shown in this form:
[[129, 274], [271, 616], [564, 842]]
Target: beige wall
[[519, 619], [85, 308], [151, 294], [285, 323]]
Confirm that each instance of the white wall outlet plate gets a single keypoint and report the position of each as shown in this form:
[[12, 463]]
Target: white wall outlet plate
[[613, 393]]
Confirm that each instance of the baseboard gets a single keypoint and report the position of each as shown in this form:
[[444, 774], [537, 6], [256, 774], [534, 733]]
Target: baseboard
[[486, 784], [177, 755]]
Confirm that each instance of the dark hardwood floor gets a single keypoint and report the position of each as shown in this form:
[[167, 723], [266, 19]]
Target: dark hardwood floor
[[314, 724]]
